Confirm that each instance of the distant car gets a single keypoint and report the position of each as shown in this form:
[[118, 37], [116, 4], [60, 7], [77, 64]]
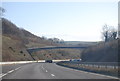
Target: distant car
[[75, 60], [48, 61]]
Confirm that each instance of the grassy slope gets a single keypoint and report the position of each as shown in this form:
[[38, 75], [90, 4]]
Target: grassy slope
[[16, 41], [14, 50]]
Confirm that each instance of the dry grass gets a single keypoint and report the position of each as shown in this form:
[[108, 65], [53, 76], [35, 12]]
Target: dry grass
[[11, 50]]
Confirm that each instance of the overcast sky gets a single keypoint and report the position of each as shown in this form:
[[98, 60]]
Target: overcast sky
[[70, 21]]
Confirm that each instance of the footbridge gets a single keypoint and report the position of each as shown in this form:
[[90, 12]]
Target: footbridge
[[31, 50]]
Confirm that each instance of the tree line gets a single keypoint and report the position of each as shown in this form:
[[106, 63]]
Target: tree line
[[55, 40]]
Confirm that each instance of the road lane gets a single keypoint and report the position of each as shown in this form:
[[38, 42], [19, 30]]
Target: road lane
[[67, 73], [50, 71], [8, 67], [29, 71]]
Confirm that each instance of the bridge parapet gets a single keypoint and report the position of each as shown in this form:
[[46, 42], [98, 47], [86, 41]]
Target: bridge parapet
[[30, 50]]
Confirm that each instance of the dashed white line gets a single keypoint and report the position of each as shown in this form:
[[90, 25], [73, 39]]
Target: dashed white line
[[52, 75], [46, 71], [43, 68], [17, 68], [10, 71], [2, 75]]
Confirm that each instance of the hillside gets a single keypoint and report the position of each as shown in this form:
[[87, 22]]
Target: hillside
[[11, 30], [16, 40], [102, 52]]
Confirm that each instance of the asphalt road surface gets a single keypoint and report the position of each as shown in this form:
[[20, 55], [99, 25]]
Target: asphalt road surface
[[47, 71]]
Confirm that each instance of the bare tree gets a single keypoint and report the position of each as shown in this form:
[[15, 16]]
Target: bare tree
[[44, 38], [109, 33], [2, 11]]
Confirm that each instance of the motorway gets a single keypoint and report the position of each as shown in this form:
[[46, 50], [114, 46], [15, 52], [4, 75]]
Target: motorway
[[46, 71]]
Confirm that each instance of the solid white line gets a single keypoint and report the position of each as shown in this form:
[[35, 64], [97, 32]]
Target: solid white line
[[90, 73], [52, 75]]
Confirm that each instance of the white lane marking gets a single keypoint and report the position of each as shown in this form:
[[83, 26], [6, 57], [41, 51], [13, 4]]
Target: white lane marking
[[10, 71], [52, 75], [43, 68], [89, 72], [17, 68], [46, 71], [2, 75]]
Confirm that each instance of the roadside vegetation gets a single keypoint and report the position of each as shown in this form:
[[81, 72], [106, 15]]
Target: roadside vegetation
[[102, 52], [105, 51]]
